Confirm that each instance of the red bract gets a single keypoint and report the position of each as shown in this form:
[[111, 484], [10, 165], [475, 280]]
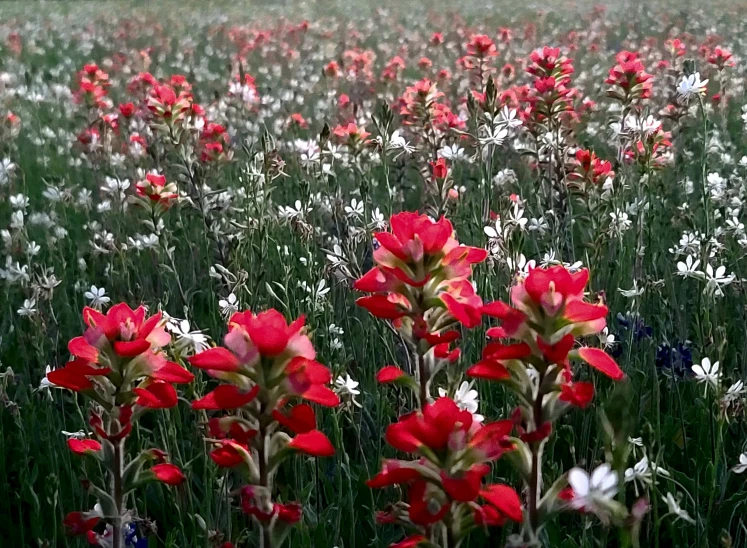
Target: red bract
[[82, 447], [629, 79], [601, 361], [156, 395], [313, 443], [79, 523], [393, 472], [504, 499], [167, 473], [410, 542], [226, 396], [390, 373], [301, 418]]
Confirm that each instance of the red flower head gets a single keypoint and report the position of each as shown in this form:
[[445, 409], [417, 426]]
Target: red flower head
[[481, 46], [154, 187]]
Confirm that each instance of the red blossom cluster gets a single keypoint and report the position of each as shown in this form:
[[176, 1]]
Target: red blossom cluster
[[629, 80], [265, 366], [446, 481], [589, 168], [93, 84], [120, 365], [547, 315], [156, 190], [421, 277]]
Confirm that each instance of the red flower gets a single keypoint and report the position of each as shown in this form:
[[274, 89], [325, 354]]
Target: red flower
[[289, 513], [504, 499], [412, 237], [229, 454], [393, 472], [431, 428], [440, 169], [313, 443], [579, 394], [129, 331], [270, 333], [82, 447], [156, 395], [127, 109], [226, 396], [389, 374], [168, 473], [79, 523], [300, 420], [480, 45]]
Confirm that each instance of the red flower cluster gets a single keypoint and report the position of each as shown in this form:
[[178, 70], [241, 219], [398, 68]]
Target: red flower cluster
[[590, 169], [120, 364], [629, 80], [155, 189], [122, 350], [453, 454], [420, 266], [548, 313], [93, 84], [265, 364], [721, 58], [549, 63]]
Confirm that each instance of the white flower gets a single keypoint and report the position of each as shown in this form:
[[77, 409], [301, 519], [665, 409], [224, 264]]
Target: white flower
[[675, 509], [690, 86], [508, 118], [452, 152], [466, 399], [355, 209], [229, 306], [97, 297], [716, 279], [346, 386], [45, 383], [689, 268], [521, 267], [494, 232], [633, 292], [397, 142], [735, 390], [186, 339], [644, 471], [742, 466], [79, 435], [620, 223], [606, 338], [28, 309], [298, 210], [377, 220], [488, 135], [593, 493], [707, 373]]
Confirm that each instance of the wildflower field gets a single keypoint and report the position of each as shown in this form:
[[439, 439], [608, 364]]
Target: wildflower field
[[373, 274]]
